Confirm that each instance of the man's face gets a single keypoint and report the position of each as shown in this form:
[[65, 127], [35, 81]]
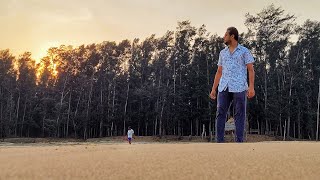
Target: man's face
[[227, 38]]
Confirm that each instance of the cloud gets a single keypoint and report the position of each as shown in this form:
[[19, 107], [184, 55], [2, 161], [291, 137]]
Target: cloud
[[81, 14], [50, 10]]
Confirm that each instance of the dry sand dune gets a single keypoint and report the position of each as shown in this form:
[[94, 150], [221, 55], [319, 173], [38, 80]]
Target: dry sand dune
[[263, 160]]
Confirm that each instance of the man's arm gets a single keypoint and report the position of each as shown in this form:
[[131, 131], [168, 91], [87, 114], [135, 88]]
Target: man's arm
[[217, 78], [251, 91]]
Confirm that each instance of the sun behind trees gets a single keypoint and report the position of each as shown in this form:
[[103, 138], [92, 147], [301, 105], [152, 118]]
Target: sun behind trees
[[160, 85]]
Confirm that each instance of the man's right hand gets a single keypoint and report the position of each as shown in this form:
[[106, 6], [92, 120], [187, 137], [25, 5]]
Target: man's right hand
[[213, 95]]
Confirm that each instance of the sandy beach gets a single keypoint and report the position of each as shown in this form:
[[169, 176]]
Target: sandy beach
[[261, 160]]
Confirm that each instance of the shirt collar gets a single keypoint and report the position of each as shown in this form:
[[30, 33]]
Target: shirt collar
[[237, 48]]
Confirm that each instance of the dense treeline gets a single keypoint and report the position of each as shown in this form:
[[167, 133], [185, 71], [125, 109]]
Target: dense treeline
[[161, 85]]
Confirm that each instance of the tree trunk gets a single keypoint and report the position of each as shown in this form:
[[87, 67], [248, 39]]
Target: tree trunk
[[143, 115], [209, 90], [265, 94], [108, 107], [155, 126], [69, 109], [162, 109], [284, 135], [75, 116], [203, 134], [157, 108], [146, 128], [23, 117], [317, 133], [85, 137], [113, 106], [1, 121], [180, 131], [294, 129], [101, 116], [179, 128], [125, 110], [259, 130], [60, 107], [44, 117], [299, 124], [10, 111], [191, 127], [1, 115], [280, 109], [289, 111], [174, 95], [139, 127], [88, 109], [111, 130], [280, 122], [197, 127], [17, 115]]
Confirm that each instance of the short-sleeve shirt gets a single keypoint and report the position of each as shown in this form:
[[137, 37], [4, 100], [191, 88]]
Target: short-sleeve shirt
[[130, 133], [234, 69]]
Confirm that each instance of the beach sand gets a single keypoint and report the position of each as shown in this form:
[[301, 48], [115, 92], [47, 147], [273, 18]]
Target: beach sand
[[151, 161]]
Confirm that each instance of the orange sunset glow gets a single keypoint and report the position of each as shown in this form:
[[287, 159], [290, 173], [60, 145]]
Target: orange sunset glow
[[36, 26]]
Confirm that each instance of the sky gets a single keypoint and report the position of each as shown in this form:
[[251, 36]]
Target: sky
[[36, 25]]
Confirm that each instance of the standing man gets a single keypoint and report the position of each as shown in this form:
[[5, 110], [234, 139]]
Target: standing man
[[234, 62], [130, 134]]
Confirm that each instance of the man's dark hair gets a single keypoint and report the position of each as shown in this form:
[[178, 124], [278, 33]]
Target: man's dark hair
[[233, 31], [129, 127]]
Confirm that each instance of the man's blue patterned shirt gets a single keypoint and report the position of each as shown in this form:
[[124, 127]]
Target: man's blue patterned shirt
[[234, 69]]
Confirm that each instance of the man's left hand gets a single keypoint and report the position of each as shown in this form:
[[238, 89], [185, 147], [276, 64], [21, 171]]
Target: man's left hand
[[251, 92]]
